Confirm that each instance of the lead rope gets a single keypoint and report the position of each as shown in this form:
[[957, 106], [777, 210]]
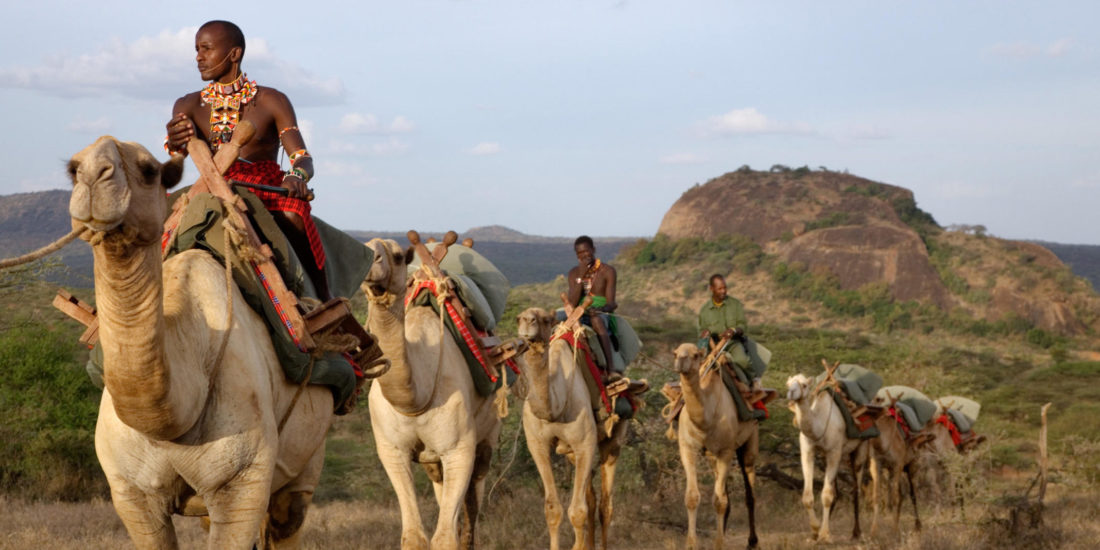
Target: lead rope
[[45, 250]]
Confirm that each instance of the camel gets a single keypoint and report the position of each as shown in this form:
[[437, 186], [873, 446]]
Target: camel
[[557, 415], [821, 427], [426, 409], [893, 451], [709, 424], [189, 421]]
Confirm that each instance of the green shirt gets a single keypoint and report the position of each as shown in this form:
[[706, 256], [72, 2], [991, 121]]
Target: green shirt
[[716, 319]]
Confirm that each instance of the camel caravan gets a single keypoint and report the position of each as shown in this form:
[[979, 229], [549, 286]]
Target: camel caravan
[[223, 370]]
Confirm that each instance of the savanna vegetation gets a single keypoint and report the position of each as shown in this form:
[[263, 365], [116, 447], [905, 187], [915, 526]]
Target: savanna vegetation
[[55, 494]]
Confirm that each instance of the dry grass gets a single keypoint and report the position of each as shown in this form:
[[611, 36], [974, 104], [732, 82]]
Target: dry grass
[[513, 519]]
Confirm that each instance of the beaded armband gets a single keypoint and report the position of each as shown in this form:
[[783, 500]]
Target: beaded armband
[[297, 155]]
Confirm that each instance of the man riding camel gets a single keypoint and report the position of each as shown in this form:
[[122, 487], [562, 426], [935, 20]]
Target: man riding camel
[[592, 277], [724, 314], [212, 113]]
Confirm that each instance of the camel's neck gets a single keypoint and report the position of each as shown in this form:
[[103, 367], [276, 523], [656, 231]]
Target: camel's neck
[[696, 397], [812, 414], [402, 387], [546, 390], [147, 394]]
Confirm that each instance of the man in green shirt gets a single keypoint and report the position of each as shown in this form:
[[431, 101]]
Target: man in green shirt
[[723, 313]]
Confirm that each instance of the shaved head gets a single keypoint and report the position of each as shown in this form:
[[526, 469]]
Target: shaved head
[[232, 32]]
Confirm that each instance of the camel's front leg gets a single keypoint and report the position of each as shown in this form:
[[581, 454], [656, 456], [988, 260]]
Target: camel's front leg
[[398, 466], [721, 499], [874, 494], [474, 493], [806, 449], [688, 456], [746, 457], [607, 486], [238, 508], [540, 452], [857, 460], [579, 512], [912, 495], [828, 491], [458, 468], [149, 525]]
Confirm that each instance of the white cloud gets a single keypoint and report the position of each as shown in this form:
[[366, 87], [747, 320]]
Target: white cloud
[[682, 158], [159, 67], [749, 121], [1025, 50], [358, 123], [101, 125], [485, 148]]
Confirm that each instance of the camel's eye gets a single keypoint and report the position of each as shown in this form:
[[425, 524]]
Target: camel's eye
[[71, 168], [149, 170]]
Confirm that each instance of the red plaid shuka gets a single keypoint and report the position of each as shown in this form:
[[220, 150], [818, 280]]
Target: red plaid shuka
[[956, 437], [267, 172], [592, 368]]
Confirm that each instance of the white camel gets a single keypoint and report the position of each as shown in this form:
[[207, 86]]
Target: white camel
[[426, 409], [183, 426], [821, 427], [709, 424], [557, 415]]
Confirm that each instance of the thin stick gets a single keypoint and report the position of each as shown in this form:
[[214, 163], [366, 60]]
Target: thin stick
[[1043, 453]]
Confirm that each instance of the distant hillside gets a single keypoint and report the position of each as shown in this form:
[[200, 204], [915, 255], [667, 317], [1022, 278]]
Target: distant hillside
[[1084, 259], [31, 220], [522, 258], [843, 230]]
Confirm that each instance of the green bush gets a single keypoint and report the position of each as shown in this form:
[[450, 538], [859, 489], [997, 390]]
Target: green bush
[[49, 408]]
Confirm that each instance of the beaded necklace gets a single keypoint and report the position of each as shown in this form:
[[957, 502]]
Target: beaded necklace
[[226, 101], [586, 279]]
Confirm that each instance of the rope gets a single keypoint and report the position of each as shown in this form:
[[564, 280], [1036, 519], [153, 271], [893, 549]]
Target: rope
[[503, 472], [44, 251]]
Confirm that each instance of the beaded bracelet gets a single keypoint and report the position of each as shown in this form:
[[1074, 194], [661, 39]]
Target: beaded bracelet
[[297, 173], [168, 149], [287, 129]]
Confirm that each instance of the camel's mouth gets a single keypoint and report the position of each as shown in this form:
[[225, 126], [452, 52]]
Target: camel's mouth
[[102, 226], [377, 289]]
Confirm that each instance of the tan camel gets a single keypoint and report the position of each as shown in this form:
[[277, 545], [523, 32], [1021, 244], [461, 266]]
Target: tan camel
[[558, 416], [426, 409], [183, 427], [821, 427], [893, 451], [709, 424]]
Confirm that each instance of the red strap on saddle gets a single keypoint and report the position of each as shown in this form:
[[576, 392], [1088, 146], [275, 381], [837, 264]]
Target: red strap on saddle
[[592, 368], [893, 411], [467, 336], [956, 437], [759, 405]]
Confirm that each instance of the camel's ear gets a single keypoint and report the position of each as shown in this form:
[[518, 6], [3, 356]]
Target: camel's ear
[[171, 172], [408, 255]]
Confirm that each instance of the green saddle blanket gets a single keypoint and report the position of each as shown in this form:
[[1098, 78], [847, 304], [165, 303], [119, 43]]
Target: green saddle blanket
[[346, 266]]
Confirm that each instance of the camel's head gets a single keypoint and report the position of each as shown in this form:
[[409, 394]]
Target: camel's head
[[535, 325], [798, 387], [120, 185], [687, 358], [390, 268]]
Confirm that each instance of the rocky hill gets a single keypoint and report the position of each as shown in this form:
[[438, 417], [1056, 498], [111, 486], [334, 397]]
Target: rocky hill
[[861, 233]]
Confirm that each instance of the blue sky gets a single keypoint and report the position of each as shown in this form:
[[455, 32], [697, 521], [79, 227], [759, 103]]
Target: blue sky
[[568, 117]]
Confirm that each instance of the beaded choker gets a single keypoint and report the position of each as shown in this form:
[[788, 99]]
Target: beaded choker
[[225, 101]]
